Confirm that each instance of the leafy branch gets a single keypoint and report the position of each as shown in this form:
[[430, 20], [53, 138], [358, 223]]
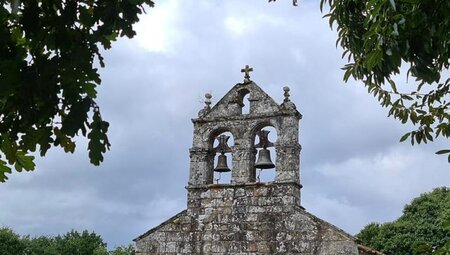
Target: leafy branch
[[378, 37], [48, 76]]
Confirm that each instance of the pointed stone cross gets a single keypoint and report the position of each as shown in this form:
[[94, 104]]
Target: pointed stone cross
[[247, 71]]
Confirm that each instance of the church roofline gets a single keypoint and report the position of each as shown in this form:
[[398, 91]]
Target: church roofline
[[368, 250], [361, 248], [160, 226], [326, 223]]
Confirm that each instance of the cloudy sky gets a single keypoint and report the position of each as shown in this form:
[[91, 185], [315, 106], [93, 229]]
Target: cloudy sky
[[354, 170]]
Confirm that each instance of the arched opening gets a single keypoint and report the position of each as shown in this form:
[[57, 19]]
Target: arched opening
[[264, 142], [223, 164], [246, 104], [244, 95]]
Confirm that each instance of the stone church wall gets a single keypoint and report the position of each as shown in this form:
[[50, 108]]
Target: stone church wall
[[249, 219]]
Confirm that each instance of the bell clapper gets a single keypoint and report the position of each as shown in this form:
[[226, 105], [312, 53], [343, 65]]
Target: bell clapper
[[259, 173], [218, 179]]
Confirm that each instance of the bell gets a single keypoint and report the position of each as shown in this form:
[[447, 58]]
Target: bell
[[264, 161], [222, 165]]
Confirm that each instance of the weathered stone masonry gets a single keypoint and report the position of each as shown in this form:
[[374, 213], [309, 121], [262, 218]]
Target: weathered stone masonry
[[246, 216]]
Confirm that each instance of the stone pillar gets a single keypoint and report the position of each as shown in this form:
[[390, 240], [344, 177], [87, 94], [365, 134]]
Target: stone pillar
[[288, 163], [201, 169], [243, 164], [288, 151]]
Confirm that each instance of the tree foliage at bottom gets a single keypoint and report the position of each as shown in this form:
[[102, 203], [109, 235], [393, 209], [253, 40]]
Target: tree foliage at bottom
[[71, 243], [421, 230]]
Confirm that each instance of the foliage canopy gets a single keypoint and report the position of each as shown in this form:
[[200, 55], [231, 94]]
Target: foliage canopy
[[380, 38], [71, 243], [420, 230], [49, 52]]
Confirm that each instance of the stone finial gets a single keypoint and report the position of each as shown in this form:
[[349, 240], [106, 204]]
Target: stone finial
[[246, 70], [286, 94], [208, 97], [207, 107], [287, 103]]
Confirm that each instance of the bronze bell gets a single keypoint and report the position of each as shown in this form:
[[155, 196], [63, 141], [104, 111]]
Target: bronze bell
[[222, 165], [264, 161]]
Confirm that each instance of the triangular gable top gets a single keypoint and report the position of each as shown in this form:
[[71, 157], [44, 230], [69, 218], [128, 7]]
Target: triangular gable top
[[162, 225], [261, 104]]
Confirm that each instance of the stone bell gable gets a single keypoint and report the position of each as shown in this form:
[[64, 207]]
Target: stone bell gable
[[227, 115], [246, 216]]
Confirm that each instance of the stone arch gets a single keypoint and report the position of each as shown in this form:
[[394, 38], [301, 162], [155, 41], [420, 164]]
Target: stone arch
[[262, 124], [224, 177], [271, 126], [218, 131], [242, 94]]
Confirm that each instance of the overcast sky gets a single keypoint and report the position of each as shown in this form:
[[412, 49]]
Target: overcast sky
[[353, 169]]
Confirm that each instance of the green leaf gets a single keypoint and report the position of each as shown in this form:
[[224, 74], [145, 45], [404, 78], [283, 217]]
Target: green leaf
[[429, 136], [98, 141], [8, 148], [4, 169], [64, 141], [45, 140], [86, 17], [442, 152], [347, 74], [419, 137], [76, 117], [404, 137], [374, 59], [413, 134], [446, 224], [407, 97], [394, 88], [89, 88], [24, 162], [111, 37]]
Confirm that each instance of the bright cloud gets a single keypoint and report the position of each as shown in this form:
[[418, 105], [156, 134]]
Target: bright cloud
[[157, 31], [240, 25]]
